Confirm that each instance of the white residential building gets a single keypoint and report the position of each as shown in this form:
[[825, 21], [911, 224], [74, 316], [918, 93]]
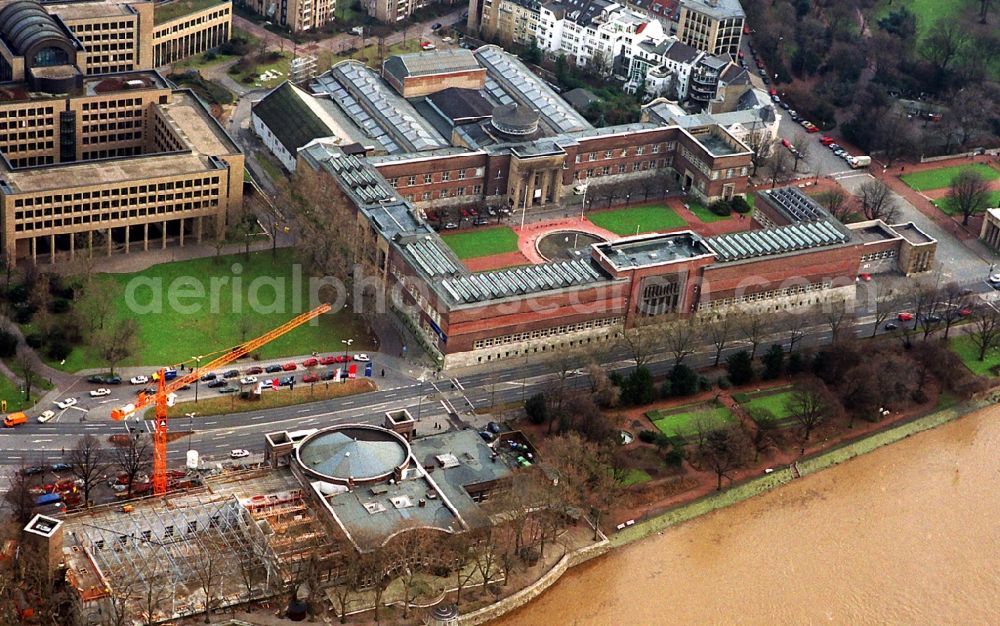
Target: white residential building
[[596, 32]]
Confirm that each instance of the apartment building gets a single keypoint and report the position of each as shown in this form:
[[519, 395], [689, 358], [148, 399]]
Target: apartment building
[[713, 26], [177, 37], [295, 15], [124, 163]]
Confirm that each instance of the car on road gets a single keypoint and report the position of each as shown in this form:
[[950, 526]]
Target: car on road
[[328, 375], [287, 381], [256, 369], [362, 357], [229, 389], [450, 225], [342, 358], [436, 26], [327, 360], [66, 403], [101, 392], [248, 380], [61, 467], [209, 376], [231, 373], [310, 363], [101, 379], [826, 140], [34, 470], [426, 45], [891, 326], [905, 317], [786, 143], [933, 318], [147, 390], [139, 380], [310, 378], [216, 383], [46, 416], [964, 312], [865, 277], [289, 367], [271, 369], [239, 454]]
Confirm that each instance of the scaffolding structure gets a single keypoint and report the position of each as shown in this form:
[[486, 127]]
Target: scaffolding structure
[[176, 546]]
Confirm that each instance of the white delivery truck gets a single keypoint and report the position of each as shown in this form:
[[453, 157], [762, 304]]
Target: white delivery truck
[[860, 161]]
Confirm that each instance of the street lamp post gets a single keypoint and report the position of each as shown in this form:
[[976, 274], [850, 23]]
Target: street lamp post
[[347, 346], [190, 417], [628, 197], [197, 365]]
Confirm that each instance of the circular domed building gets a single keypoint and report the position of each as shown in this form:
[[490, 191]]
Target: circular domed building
[[355, 454], [515, 120]]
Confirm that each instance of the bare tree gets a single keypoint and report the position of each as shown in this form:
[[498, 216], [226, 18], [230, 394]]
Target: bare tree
[[802, 146], [876, 201], [944, 43], [26, 363], [725, 450], [969, 193], [810, 404], [885, 304], [793, 324], [985, 330], [88, 461], [485, 553], [779, 165], [18, 495], [954, 305], [409, 548], [375, 564], [583, 467], [641, 339], [681, 339], [837, 202], [753, 327], [117, 341], [133, 457], [838, 314], [459, 547], [120, 600], [97, 303], [207, 565], [719, 331], [157, 588]]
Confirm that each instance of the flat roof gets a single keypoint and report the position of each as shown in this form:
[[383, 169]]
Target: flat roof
[[90, 173], [912, 233], [166, 11], [716, 8], [197, 125], [431, 63], [123, 81], [654, 249], [87, 10], [872, 231], [794, 237]]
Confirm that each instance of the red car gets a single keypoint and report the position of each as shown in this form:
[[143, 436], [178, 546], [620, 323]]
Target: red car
[[254, 370], [786, 143], [811, 129], [740, 54], [826, 140], [310, 363], [905, 317], [865, 277], [343, 358], [327, 360], [772, 91], [288, 367], [965, 312], [310, 378]]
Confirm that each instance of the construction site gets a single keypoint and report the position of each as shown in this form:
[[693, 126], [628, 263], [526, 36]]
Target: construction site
[[240, 537]]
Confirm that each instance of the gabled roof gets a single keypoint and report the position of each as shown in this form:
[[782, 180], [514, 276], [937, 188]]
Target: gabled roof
[[790, 238], [288, 115], [682, 53], [430, 63]]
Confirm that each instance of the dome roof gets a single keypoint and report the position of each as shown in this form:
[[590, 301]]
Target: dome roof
[[515, 119], [24, 24], [356, 452]]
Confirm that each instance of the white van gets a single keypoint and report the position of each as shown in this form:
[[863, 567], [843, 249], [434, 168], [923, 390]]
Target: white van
[[860, 161]]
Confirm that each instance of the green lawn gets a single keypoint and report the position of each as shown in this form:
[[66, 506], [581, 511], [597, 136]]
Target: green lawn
[[12, 393], [267, 295], [969, 353], [652, 218], [635, 477], [682, 422], [282, 66], [941, 177], [948, 208], [482, 242], [774, 401], [704, 214], [166, 11], [927, 11]]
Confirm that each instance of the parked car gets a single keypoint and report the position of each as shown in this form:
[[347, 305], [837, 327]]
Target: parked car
[[833, 147], [248, 380], [34, 470], [327, 360], [209, 376], [239, 454], [486, 435], [139, 380], [905, 317], [310, 378], [480, 221], [436, 26], [328, 375], [964, 312], [826, 140], [101, 379], [234, 373], [287, 381], [147, 390], [271, 369], [97, 393], [865, 277], [362, 357], [426, 45], [450, 226], [212, 384], [256, 369], [289, 367], [310, 363], [493, 427], [933, 318], [229, 389], [66, 403], [61, 467], [46, 416], [786, 143], [342, 358]]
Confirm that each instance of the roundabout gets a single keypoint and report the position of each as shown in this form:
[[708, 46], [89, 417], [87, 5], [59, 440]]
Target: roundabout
[[563, 245]]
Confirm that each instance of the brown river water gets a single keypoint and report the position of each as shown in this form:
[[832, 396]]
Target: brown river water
[[908, 534]]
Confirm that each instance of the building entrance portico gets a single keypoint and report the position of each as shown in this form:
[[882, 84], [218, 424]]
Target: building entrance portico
[[536, 179]]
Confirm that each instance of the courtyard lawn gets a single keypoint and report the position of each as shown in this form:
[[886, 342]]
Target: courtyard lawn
[[775, 401], [940, 178], [682, 422], [966, 350], [635, 477], [13, 394], [482, 242], [239, 300], [645, 219], [704, 214], [948, 208]]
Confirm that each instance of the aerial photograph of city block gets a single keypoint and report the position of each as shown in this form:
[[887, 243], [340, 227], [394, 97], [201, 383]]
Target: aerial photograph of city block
[[506, 312]]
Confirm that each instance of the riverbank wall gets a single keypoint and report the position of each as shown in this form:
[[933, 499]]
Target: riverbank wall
[[807, 465]]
